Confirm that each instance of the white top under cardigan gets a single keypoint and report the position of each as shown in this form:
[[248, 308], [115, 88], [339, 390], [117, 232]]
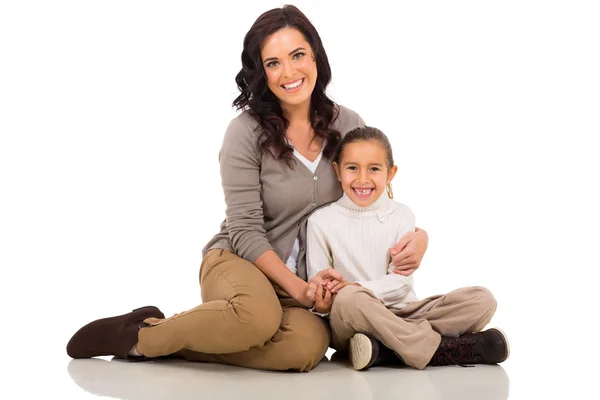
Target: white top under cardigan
[[292, 260], [355, 241]]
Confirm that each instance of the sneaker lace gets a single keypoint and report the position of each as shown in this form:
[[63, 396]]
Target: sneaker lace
[[456, 351]]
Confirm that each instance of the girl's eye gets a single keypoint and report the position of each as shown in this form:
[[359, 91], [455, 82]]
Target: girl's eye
[[375, 169], [351, 168], [272, 64], [298, 56]]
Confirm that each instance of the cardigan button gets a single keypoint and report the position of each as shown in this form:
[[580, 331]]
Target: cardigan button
[[315, 177]]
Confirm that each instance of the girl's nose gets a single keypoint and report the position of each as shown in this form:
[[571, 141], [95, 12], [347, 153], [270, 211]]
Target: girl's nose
[[363, 176]]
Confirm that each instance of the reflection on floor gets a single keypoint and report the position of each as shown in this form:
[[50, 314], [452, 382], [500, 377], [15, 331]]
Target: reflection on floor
[[173, 379]]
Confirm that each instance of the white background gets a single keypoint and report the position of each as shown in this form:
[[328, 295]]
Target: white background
[[112, 115]]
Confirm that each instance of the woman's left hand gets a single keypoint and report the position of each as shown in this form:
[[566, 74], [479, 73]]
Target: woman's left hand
[[408, 253]]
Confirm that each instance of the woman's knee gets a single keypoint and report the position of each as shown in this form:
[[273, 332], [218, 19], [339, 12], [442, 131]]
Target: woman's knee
[[259, 318], [252, 300], [307, 339]]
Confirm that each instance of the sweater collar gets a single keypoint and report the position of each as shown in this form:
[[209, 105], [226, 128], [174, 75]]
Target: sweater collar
[[380, 204]]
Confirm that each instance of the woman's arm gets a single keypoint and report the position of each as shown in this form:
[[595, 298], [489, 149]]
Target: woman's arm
[[240, 162], [271, 265], [408, 253]]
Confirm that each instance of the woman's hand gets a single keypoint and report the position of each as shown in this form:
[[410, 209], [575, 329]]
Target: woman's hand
[[408, 253], [306, 297]]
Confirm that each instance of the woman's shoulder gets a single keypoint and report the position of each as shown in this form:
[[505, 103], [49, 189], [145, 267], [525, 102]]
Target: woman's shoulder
[[241, 133], [345, 112], [347, 119], [244, 123]]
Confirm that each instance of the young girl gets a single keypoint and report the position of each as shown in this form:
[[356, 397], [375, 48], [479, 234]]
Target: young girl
[[373, 305]]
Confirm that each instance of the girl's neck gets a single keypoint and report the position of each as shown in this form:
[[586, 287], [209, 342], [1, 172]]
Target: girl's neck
[[381, 203]]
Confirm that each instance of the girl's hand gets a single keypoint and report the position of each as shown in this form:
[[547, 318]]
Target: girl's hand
[[326, 275], [408, 253], [335, 286]]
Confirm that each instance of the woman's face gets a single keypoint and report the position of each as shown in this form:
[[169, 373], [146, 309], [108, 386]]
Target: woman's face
[[290, 66]]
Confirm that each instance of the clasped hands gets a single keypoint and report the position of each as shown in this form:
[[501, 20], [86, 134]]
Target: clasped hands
[[322, 288]]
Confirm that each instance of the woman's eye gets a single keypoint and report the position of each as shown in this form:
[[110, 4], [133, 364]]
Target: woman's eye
[[272, 64], [298, 56]]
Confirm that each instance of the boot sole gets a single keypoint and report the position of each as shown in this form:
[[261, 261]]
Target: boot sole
[[361, 351], [501, 332]]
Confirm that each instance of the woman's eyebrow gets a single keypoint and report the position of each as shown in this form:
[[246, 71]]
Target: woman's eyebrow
[[290, 53]]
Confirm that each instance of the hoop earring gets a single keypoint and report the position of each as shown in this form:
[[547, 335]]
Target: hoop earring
[[389, 190]]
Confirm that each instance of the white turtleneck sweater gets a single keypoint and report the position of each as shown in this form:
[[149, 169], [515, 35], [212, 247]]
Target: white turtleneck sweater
[[355, 240]]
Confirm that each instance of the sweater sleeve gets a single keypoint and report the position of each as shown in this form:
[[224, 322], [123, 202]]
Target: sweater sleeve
[[318, 252], [240, 162], [393, 288]]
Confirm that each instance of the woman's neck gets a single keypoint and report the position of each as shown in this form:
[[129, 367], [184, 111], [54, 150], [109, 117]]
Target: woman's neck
[[297, 114]]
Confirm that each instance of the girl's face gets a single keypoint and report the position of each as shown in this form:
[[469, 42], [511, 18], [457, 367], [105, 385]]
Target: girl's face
[[363, 171], [290, 66]]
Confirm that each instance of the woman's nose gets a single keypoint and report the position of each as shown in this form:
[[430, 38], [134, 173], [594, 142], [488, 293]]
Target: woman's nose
[[288, 69]]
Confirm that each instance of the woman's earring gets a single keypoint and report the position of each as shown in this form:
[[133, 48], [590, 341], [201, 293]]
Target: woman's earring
[[389, 190]]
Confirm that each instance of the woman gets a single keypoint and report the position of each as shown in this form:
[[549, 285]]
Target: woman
[[276, 170]]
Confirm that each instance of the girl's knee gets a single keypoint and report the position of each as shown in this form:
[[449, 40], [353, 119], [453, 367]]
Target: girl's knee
[[347, 298], [483, 297], [486, 303]]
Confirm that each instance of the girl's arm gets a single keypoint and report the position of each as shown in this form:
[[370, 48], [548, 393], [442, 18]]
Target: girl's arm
[[318, 256], [393, 288]]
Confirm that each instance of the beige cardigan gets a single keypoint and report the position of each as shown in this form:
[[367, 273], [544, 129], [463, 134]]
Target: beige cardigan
[[268, 203]]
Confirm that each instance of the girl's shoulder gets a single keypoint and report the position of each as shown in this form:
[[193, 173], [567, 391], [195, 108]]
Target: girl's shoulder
[[324, 214], [401, 210]]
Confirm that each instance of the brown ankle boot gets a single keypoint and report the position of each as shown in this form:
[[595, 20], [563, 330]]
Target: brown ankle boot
[[487, 347], [113, 336]]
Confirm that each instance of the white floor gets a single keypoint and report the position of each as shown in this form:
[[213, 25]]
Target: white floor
[[56, 376], [331, 380]]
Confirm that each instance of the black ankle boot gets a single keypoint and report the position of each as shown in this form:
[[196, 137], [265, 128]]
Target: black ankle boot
[[487, 347], [366, 352]]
